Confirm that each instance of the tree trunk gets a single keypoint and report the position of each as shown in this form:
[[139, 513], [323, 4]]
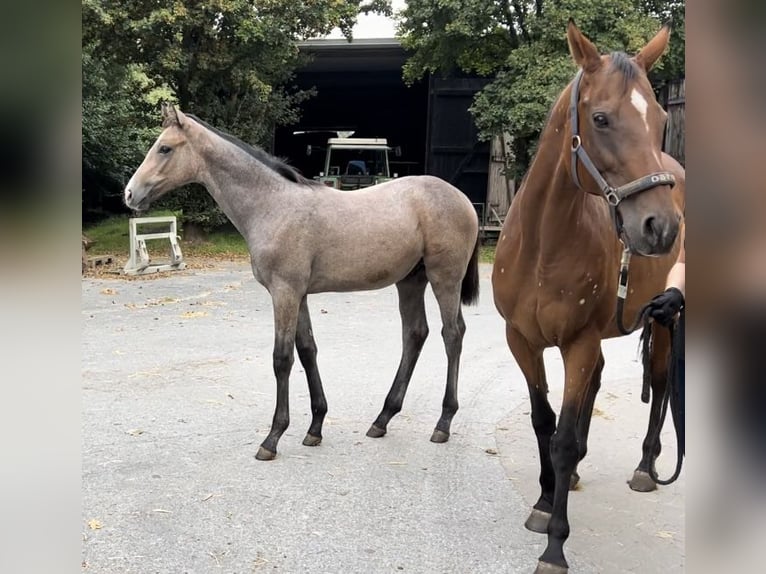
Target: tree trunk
[[194, 232]]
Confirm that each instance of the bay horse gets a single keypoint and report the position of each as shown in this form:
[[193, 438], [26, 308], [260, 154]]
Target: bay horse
[[305, 237], [567, 237]]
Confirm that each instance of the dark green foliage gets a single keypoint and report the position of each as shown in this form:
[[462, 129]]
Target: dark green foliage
[[231, 62], [523, 46]]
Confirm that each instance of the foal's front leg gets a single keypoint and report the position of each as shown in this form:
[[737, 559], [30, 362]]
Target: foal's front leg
[[286, 305], [307, 353]]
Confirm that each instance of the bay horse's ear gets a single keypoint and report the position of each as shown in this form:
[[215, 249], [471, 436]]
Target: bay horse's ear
[[169, 115], [584, 52], [650, 53]]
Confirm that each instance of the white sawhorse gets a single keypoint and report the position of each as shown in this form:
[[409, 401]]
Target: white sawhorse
[[139, 262]]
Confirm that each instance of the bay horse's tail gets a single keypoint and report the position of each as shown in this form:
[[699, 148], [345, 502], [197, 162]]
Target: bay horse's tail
[[469, 291]]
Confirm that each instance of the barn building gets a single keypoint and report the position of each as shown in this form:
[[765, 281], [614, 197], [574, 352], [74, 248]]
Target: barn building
[[360, 88]]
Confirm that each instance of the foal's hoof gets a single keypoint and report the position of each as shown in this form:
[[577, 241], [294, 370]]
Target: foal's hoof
[[642, 482], [538, 521], [547, 568], [574, 480], [439, 436], [375, 432], [265, 454], [312, 440]]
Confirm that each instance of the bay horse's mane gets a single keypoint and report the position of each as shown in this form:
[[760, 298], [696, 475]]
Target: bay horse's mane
[[621, 62], [275, 164]]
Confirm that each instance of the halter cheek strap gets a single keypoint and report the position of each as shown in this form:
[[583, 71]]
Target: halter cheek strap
[[613, 195]]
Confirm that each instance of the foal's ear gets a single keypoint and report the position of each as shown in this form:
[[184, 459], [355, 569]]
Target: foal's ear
[[650, 53], [584, 52], [169, 115]]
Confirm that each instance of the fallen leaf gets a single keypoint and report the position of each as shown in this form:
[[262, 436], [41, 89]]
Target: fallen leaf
[[664, 534], [193, 314], [490, 450], [108, 291], [94, 524], [134, 432]]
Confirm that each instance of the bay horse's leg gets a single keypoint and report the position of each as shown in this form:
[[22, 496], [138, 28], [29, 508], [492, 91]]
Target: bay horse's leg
[[414, 332], [307, 353], [531, 363], [580, 360], [286, 304], [583, 423], [641, 480], [453, 328]]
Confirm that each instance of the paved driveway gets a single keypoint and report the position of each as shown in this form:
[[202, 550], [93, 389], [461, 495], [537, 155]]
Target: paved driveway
[[178, 392]]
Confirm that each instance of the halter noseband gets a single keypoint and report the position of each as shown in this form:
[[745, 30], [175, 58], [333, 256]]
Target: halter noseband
[[613, 195]]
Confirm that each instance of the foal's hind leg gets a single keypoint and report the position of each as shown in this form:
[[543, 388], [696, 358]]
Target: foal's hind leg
[[414, 332], [307, 353], [453, 328], [642, 481], [583, 422]]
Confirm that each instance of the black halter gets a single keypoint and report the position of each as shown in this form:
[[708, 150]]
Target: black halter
[[613, 195]]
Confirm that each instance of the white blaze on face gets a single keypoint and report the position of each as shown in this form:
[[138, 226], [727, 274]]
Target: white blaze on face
[[639, 102]]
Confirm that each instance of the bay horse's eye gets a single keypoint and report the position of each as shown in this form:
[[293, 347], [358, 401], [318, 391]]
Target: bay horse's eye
[[164, 150], [600, 120]]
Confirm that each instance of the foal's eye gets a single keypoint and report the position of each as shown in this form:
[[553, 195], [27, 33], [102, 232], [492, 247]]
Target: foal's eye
[[164, 150], [600, 120]]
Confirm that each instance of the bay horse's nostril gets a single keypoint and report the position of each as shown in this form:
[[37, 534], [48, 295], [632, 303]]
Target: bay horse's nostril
[[652, 229]]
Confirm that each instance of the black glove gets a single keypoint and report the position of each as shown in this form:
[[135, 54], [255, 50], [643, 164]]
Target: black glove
[[665, 306]]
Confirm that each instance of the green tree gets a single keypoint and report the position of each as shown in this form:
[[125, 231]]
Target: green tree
[[229, 61], [118, 125], [522, 46]]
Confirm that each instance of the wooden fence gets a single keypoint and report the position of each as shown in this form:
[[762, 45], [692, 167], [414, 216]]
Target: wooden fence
[[673, 99]]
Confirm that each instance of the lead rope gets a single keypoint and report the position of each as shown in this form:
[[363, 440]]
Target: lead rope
[[672, 392], [622, 294], [673, 396]]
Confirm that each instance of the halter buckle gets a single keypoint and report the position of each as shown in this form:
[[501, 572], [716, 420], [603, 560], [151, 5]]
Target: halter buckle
[[576, 142], [611, 196]]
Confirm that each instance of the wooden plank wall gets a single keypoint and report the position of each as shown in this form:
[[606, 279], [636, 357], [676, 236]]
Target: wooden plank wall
[[673, 99]]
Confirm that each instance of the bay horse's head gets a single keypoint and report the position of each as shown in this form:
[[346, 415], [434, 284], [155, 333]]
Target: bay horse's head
[[169, 163], [617, 128]]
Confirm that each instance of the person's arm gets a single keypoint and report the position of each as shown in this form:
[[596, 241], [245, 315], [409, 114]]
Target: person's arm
[[665, 306], [677, 274]]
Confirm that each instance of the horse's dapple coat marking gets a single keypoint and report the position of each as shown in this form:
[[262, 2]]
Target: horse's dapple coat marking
[[556, 268], [305, 237]]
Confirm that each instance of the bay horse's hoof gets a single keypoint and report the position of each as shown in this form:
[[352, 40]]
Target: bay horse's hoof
[[439, 436], [265, 454], [574, 480], [538, 521], [311, 440], [547, 568], [642, 482], [375, 432]]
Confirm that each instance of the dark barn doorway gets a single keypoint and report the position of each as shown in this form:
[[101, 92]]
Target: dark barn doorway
[[359, 88]]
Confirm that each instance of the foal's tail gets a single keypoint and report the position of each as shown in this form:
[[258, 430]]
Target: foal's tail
[[469, 291]]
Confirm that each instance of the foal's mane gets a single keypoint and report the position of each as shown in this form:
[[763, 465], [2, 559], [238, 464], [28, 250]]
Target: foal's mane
[[275, 164]]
